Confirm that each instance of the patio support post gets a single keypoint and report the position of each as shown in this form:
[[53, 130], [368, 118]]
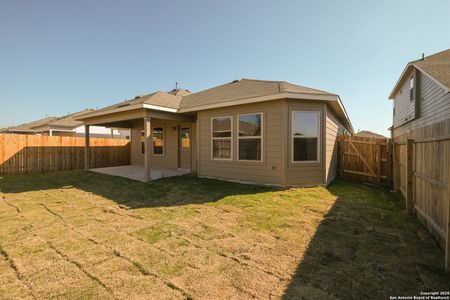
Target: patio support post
[[147, 148], [87, 149]]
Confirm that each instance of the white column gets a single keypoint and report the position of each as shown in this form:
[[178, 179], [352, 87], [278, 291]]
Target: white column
[[147, 148]]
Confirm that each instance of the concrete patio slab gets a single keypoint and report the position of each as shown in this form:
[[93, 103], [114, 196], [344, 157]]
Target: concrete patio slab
[[137, 172]]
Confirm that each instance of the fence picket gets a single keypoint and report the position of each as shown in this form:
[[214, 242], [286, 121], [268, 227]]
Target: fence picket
[[20, 154]]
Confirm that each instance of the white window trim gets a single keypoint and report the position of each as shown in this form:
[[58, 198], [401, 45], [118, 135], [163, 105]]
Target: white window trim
[[251, 137], [164, 141], [319, 135], [221, 138]]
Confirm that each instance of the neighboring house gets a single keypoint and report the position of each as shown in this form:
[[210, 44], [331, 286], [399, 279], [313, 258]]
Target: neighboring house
[[369, 134], [421, 95], [269, 132], [422, 114], [27, 128], [66, 126]]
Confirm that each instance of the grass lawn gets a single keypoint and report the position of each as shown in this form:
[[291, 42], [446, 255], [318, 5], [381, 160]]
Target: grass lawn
[[81, 235]]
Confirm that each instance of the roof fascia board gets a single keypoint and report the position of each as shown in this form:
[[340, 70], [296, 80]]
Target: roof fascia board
[[399, 80], [161, 108]]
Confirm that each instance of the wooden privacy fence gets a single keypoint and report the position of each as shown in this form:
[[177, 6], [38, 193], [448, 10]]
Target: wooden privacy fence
[[419, 168], [365, 159], [422, 173], [24, 154]]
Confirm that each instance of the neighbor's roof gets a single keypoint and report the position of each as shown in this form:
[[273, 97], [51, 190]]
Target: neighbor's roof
[[366, 133], [234, 93], [27, 127], [243, 89], [436, 66]]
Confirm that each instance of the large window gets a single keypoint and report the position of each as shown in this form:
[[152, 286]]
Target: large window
[[305, 136], [221, 138], [158, 140], [250, 137]]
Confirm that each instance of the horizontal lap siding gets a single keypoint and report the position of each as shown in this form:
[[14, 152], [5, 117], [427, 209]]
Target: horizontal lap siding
[[333, 129], [270, 170], [306, 174], [404, 107], [434, 106], [170, 157]]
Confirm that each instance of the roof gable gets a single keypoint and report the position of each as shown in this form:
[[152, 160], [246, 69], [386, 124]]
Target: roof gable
[[436, 66]]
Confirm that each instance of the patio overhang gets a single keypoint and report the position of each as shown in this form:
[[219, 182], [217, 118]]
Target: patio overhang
[[130, 118]]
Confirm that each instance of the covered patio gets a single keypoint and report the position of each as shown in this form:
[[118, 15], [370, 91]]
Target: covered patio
[[161, 139], [138, 172]]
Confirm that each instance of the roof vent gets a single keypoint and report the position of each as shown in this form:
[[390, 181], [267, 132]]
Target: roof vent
[[236, 80], [137, 97], [423, 56]]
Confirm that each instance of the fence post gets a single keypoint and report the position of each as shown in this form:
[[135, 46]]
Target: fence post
[[447, 231], [394, 167], [389, 154], [409, 176], [87, 148], [341, 156], [380, 146]]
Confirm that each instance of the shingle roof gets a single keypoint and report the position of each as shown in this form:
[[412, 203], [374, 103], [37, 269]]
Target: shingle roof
[[437, 66], [69, 120], [165, 99], [243, 89], [27, 127]]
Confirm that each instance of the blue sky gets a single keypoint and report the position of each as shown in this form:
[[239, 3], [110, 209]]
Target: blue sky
[[63, 56]]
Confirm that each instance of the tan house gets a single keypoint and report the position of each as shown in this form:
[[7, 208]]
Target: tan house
[[254, 131]]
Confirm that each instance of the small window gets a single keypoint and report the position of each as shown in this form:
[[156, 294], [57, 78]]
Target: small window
[[221, 138], [305, 136], [158, 140], [142, 142], [250, 137], [411, 88]]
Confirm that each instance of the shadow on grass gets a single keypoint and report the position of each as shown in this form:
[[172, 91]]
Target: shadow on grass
[[367, 247], [173, 191]]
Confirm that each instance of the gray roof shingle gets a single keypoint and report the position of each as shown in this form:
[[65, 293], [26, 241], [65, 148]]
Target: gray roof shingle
[[243, 89]]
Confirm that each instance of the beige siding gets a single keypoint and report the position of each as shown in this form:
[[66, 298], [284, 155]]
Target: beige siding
[[170, 157], [305, 174], [333, 129], [404, 107], [434, 106], [268, 171]]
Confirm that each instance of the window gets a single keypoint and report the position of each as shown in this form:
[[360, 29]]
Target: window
[[221, 138], [305, 136], [158, 140], [411, 88], [250, 137], [185, 138], [142, 142]]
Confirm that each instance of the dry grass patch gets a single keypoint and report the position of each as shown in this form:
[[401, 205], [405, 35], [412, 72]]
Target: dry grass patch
[[83, 235]]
